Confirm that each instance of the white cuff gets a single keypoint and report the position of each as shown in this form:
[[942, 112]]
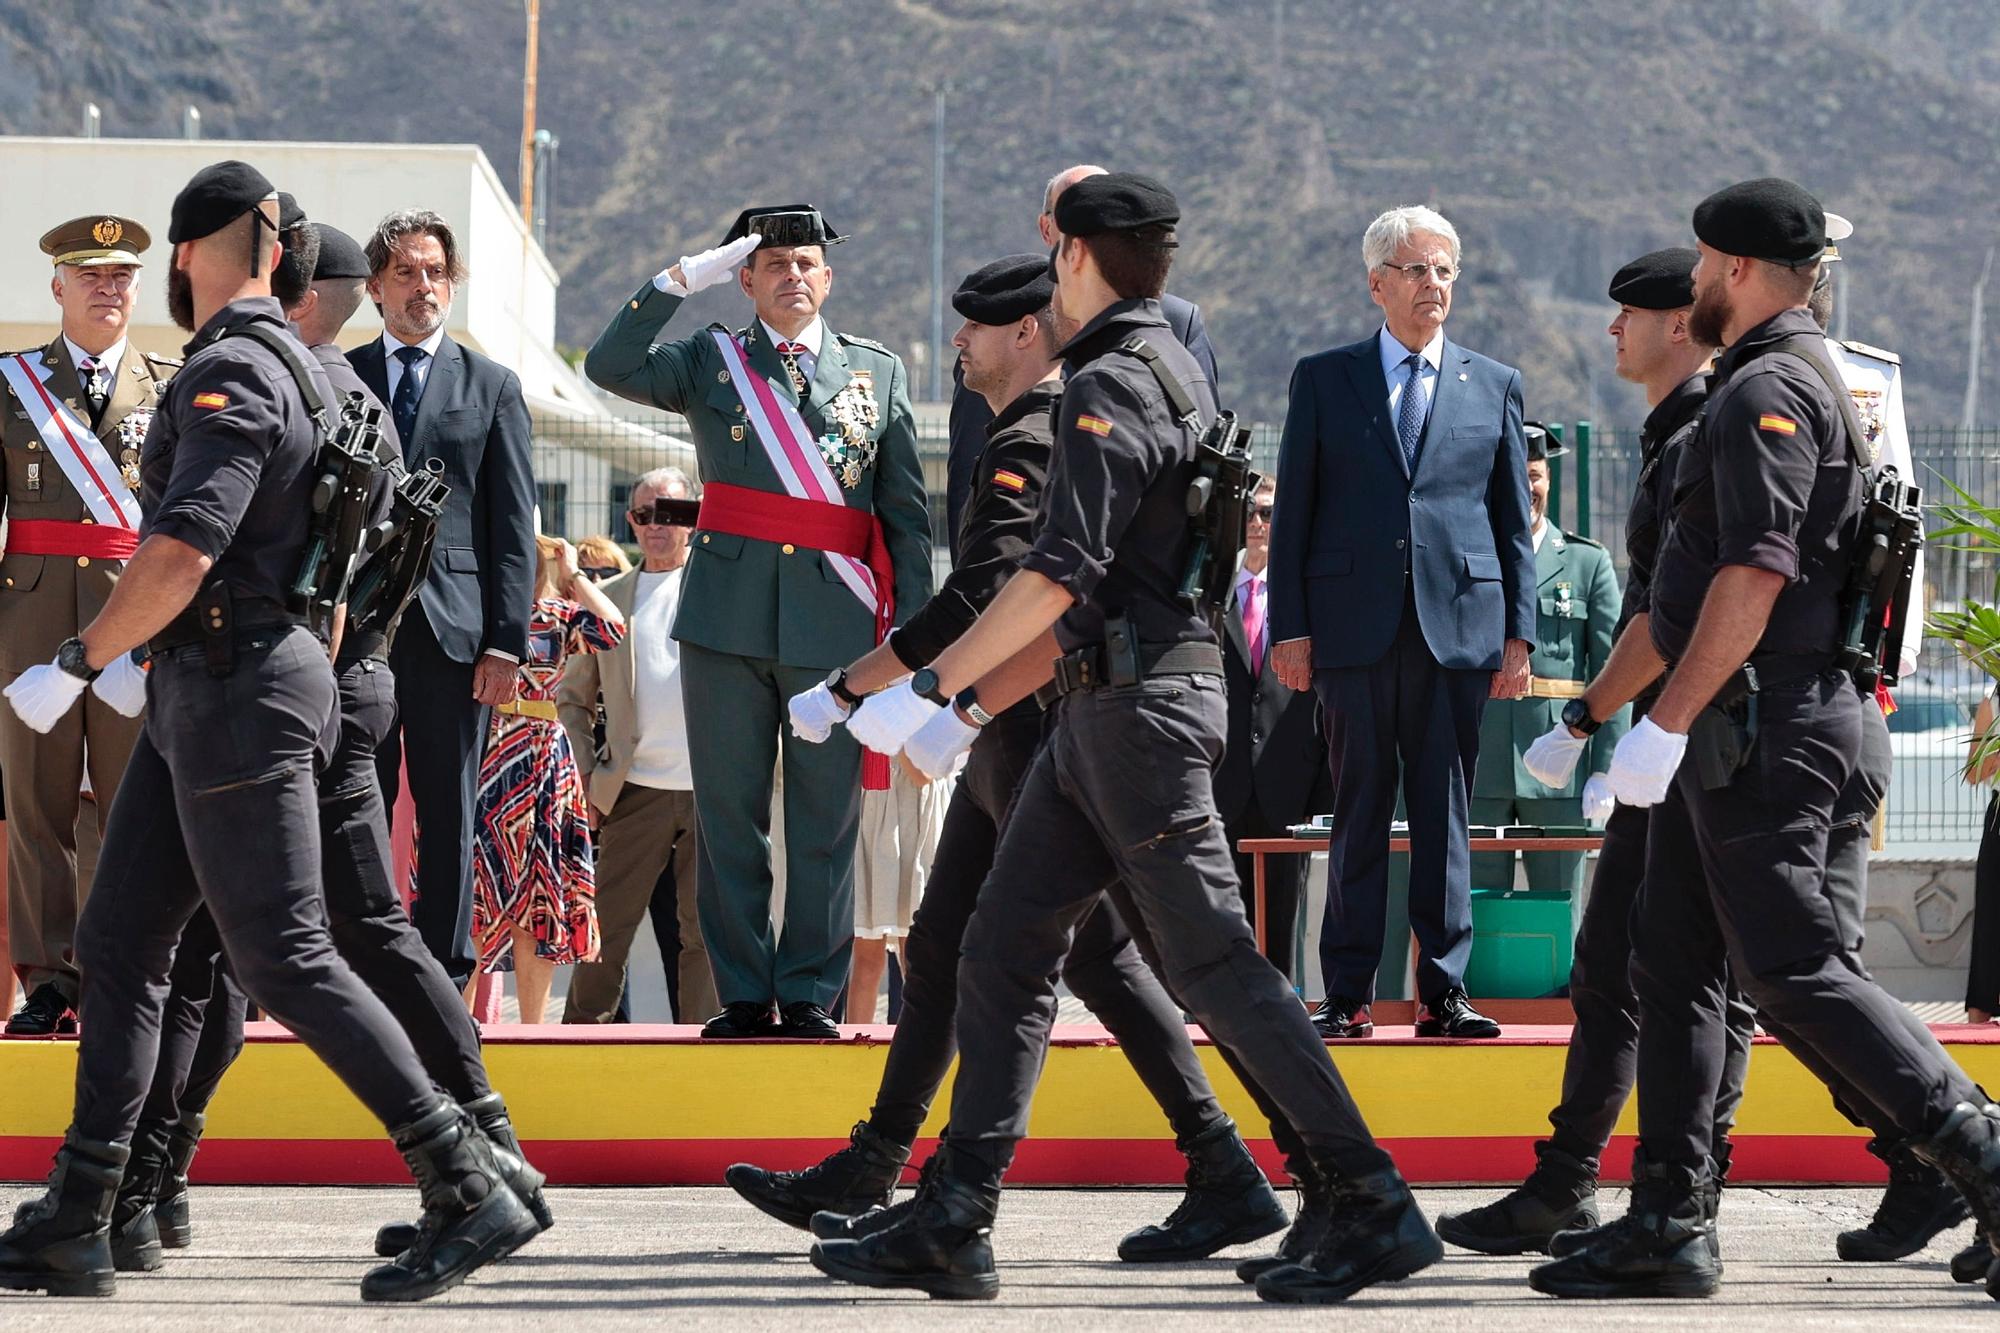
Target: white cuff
[[663, 281]]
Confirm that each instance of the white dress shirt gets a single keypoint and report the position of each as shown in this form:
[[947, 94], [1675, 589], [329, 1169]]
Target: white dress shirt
[[1394, 354], [810, 337], [392, 365], [110, 360]]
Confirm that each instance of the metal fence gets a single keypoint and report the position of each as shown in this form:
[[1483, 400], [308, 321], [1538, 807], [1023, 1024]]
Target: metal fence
[[585, 472]]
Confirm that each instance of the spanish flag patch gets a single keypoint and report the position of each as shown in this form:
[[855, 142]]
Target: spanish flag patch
[[1781, 425], [211, 400], [1095, 425], [1012, 481]]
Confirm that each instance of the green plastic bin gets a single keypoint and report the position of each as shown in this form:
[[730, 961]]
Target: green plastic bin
[[1521, 944]]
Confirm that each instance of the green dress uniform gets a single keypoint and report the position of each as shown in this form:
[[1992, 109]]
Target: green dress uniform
[[761, 621], [1577, 604]]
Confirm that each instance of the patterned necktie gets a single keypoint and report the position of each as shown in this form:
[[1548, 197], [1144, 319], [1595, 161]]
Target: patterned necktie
[[403, 403], [94, 387], [790, 353], [1253, 622], [1410, 411]]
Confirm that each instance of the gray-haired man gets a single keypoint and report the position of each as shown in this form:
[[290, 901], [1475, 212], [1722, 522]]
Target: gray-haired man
[[642, 794]]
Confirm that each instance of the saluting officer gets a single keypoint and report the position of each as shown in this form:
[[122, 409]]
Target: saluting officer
[[1007, 350], [1577, 607], [218, 804], [1744, 760], [1120, 792], [75, 411]]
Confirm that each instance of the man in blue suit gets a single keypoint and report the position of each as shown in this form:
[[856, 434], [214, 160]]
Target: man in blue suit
[[1403, 590]]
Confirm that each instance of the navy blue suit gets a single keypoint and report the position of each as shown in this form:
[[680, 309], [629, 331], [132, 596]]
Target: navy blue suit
[[480, 592], [1409, 585]]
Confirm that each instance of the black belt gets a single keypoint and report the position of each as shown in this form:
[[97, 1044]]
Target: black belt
[[355, 645], [1768, 672], [1085, 668], [190, 628]]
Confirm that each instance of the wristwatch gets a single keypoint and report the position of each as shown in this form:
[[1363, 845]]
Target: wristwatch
[[968, 704], [70, 657], [836, 684], [1576, 716], [925, 685]]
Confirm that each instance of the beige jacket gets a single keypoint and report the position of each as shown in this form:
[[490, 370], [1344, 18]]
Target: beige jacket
[[585, 676]]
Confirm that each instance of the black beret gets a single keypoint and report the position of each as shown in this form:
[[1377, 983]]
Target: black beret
[[787, 224], [1116, 201], [1662, 280], [1005, 290], [1541, 444], [217, 196], [290, 214], [1770, 219], [340, 255]]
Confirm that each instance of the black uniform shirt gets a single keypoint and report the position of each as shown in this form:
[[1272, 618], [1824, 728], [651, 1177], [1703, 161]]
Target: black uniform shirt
[[1666, 431], [1767, 481], [227, 464], [1114, 523], [996, 528]]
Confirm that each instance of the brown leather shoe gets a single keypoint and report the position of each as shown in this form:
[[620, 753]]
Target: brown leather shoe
[[1341, 1019]]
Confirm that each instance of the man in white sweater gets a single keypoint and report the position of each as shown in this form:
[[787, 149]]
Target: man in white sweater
[[642, 793]]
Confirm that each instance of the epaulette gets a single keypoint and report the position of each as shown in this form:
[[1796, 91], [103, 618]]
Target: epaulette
[[1582, 541], [170, 362], [1863, 349], [719, 327], [854, 340]]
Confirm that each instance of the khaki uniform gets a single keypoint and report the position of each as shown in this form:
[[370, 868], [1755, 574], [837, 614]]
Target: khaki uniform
[[45, 599]]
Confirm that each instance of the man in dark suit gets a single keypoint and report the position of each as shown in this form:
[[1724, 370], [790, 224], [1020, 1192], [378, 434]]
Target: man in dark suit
[[1403, 590], [1274, 771], [970, 416], [457, 652]]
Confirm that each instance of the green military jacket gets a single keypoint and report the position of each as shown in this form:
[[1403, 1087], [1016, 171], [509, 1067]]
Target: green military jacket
[[769, 599], [1577, 603]]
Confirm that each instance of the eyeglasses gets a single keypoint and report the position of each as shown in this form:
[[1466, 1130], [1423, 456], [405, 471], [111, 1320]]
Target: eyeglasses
[[1262, 513], [1444, 274]]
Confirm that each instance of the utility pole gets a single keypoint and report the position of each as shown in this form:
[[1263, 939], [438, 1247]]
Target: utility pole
[[938, 93], [93, 120], [528, 114], [1969, 416]]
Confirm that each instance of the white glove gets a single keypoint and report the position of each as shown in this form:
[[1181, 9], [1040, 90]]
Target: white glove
[[939, 742], [707, 268], [42, 694], [816, 713], [122, 685], [886, 721], [1552, 758], [1642, 767], [1598, 801]]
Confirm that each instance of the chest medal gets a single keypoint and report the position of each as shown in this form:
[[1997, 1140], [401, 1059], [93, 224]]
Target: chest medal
[[848, 449]]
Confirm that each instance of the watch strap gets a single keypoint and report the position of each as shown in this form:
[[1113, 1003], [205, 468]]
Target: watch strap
[[925, 684], [836, 685], [968, 704]]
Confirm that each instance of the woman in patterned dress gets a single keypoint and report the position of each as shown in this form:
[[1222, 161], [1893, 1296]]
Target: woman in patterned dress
[[533, 882]]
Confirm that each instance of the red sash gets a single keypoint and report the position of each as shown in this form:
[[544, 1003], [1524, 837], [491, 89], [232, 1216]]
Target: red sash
[[47, 536], [766, 516]]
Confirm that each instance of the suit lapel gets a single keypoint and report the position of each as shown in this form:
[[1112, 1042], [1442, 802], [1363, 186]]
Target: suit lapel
[[1364, 368], [131, 386], [62, 381], [1232, 625], [1550, 561], [830, 375], [438, 386], [1445, 393]]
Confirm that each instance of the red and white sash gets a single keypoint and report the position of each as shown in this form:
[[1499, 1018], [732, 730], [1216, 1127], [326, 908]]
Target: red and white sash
[[788, 443], [71, 442]]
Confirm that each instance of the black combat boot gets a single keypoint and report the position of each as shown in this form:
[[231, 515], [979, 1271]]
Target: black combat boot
[[170, 1214], [943, 1246], [859, 1177], [61, 1242], [1970, 1264], [1228, 1202], [1308, 1227], [135, 1231], [1966, 1148], [1918, 1204], [1577, 1239], [829, 1225], [1660, 1248], [1378, 1234], [1559, 1195], [471, 1216], [490, 1114]]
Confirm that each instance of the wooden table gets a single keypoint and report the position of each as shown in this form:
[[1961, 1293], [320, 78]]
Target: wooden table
[[1259, 848]]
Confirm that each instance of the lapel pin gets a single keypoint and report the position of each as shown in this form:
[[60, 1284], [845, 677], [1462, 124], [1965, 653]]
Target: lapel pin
[[1461, 376]]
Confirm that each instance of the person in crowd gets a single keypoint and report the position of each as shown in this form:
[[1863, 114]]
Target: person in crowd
[[642, 787], [459, 647], [599, 558], [892, 862], [533, 883], [72, 409], [1274, 770], [1982, 978], [1403, 591], [814, 542]]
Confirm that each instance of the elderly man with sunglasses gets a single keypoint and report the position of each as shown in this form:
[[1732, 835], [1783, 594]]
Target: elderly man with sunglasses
[[642, 792]]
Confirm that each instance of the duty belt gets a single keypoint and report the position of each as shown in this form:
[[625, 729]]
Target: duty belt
[[1084, 669], [215, 619], [1541, 687], [1767, 672]]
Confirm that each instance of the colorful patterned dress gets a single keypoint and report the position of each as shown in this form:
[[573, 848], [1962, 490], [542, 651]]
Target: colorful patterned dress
[[531, 863]]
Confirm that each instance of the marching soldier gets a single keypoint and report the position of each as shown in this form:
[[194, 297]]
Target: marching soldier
[[76, 411], [813, 540], [1577, 605]]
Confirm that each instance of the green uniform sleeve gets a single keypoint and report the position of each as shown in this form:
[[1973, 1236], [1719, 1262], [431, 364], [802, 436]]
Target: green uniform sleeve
[[899, 498], [1604, 600], [626, 361]]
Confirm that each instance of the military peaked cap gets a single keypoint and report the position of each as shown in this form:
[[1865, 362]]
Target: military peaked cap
[[100, 238]]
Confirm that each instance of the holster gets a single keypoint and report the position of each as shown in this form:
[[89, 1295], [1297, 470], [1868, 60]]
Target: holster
[[1720, 737], [215, 605]]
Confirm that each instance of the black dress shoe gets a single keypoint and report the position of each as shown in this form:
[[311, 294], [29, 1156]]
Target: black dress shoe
[[806, 1021], [47, 1013], [1339, 1018], [741, 1018], [1452, 1015]]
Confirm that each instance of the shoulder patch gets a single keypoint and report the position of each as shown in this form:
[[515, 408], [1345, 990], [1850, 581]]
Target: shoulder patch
[[1095, 425], [1777, 425], [211, 401], [1009, 481], [1863, 349]]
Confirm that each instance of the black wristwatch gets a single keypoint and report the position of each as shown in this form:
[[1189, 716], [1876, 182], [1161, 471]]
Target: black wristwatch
[[925, 684], [71, 658], [836, 685], [1576, 716], [968, 704]]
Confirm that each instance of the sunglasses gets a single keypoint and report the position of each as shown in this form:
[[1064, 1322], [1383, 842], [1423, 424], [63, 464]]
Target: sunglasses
[[1262, 513], [598, 573], [646, 519]]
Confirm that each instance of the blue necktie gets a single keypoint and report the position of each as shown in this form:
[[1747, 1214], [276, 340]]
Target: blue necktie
[[403, 405], [1410, 411]]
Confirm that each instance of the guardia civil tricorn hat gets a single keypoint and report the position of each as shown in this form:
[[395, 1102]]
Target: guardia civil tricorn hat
[[787, 224], [100, 238]]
